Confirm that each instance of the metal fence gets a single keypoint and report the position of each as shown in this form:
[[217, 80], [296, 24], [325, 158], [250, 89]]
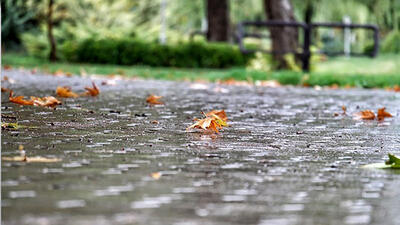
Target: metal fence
[[305, 54]]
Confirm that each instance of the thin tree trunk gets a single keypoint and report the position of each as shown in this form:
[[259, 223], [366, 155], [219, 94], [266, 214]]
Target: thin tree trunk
[[52, 42], [284, 39], [218, 20]]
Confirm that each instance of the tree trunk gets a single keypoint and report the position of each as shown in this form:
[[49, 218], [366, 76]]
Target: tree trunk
[[218, 20], [284, 39], [52, 42]]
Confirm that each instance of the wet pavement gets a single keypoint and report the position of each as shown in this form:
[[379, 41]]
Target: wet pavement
[[285, 159]]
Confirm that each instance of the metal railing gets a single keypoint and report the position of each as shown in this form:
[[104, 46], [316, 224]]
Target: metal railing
[[305, 54]]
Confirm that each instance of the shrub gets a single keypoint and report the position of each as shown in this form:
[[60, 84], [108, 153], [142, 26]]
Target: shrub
[[391, 44], [36, 44], [137, 52]]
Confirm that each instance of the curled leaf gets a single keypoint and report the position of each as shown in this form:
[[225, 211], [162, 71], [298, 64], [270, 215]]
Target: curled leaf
[[220, 113], [19, 99], [48, 101], [153, 99], [365, 115], [65, 92], [92, 91], [382, 114], [208, 123]]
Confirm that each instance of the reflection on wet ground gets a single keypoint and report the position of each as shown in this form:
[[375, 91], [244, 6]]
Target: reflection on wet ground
[[286, 159]]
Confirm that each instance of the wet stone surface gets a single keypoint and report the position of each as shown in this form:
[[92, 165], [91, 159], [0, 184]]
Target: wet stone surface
[[285, 159]]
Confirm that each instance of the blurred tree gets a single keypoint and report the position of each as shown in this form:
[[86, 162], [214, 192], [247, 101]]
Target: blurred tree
[[52, 42], [16, 18], [218, 20], [283, 39]]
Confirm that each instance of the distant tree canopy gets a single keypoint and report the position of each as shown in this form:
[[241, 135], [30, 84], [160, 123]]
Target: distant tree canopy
[[28, 20]]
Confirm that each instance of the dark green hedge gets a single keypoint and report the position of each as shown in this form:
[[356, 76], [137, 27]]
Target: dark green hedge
[[136, 52]]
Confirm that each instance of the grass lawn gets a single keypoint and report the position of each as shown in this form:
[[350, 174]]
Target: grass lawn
[[383, 71]]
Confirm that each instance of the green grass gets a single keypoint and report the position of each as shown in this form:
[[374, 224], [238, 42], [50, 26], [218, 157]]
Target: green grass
[[383, 71]]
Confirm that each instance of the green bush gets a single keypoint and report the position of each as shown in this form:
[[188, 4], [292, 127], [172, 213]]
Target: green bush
[[137, 52], [36, 44], [391, 44]]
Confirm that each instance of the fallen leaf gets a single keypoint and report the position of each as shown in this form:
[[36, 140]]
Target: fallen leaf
[[156, 175], [24, 158], [155, 122], [19, 99], [365, 115], [92, 91], [392, 163], [65, 92], [208, 123], [382, 114], [220, 113], [31, 159], [344, 109], [5, 89], [13, 126], [48, 101], [154, 99]]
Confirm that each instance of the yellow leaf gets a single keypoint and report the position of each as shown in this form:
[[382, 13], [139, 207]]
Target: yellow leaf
[[38, 159], [48, 101], [156, 175]]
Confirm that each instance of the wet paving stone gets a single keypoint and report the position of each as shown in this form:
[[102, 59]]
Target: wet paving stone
[[285, 159]]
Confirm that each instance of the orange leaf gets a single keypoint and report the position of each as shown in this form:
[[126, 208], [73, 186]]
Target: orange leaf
[[48, 101], [19, 100], [206, 124], [153, 99], [344, 109], [220, 113], [92, 91], [365, 115], [382, 114], [65, 92]]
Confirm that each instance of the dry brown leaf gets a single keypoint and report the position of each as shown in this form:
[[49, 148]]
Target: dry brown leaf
[[382, 114], [365, 115], [48, 101], [154, 99], [65, 92], [5, 89], [19, 99], [92, 91]]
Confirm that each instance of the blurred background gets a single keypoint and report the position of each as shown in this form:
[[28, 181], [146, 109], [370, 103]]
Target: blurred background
[[193, 34]]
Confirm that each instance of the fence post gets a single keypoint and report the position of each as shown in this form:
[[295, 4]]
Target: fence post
[[306, 48]]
